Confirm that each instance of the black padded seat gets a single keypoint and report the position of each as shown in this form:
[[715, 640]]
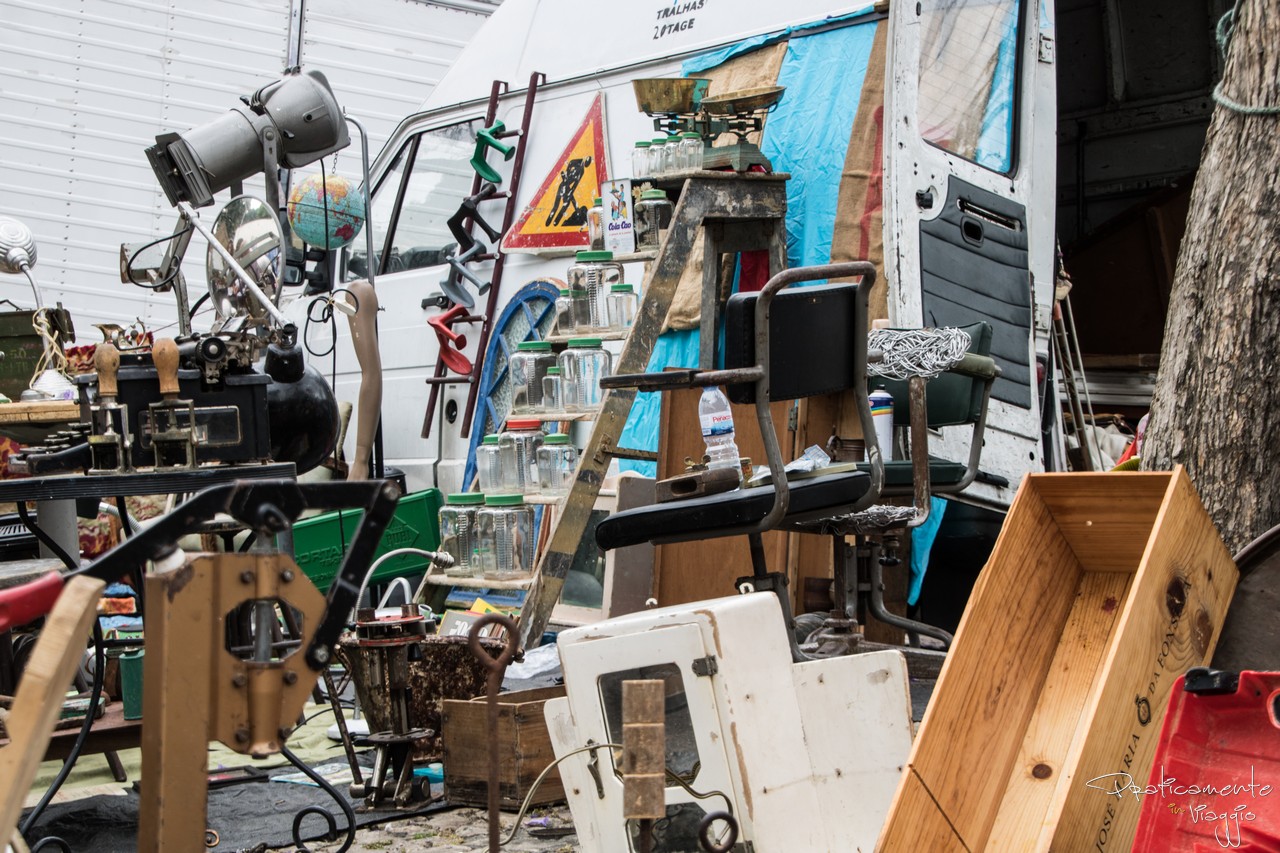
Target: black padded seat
[[731, 513], [898, 474]]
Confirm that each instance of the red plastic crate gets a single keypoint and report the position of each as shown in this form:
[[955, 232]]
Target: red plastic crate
[[1215, 781]]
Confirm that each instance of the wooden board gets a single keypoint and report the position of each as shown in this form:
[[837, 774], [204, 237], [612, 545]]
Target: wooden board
[[45, 412], [696, 571], [1062, 665]]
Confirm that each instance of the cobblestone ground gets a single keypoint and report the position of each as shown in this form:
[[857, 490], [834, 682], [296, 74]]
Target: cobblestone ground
[[459, 831]]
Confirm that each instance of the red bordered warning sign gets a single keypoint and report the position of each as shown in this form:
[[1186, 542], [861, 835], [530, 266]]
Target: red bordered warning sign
[[557, 216]]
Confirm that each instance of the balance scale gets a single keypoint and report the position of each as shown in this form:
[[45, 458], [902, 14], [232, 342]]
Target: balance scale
[[806, 756], [683, 104]]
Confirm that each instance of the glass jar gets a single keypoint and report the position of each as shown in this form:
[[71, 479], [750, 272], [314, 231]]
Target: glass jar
[[673, 155], [622, 307], [582, 366], [527, 365], [557, 463], [653, 216], [564, 313], [552, 399], [640, 159], [657, 157], [504, 538], [595, 225], [594, 272], [517, 446], [488, 468], [691, 150], [579, 310], [458, 532]]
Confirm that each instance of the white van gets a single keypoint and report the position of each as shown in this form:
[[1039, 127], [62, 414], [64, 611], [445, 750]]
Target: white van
[[920, 136]]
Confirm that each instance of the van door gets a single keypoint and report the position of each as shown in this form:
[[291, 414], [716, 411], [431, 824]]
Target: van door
[[970, 175]]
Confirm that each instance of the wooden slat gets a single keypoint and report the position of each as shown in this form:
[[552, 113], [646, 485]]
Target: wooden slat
[[1107, 535], [44, 412], [917, 823]]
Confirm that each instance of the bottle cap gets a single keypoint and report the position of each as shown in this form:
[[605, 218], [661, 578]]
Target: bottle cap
[[553, 371], [556, 438], [650, 195], [504, 500], [523, 423], [621, 288], [564, 291], [691, 134], [661, 140], [643, 143], [597, 201], [533, 346], [490, 439], [465, 499], [584, 342], [595, 256]]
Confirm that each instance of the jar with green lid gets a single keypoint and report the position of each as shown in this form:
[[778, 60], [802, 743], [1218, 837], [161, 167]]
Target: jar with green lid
[[579, 311], [488, 467], [595, 225], [691, 151], [640, 159], [557, 463], [658, 157], [671, 154], [504, 538], [458, 532], [564, 313], [622, 307], [526, 367], [517, 446], [582, 366], [552, 399], [594, 273], [653, 216]]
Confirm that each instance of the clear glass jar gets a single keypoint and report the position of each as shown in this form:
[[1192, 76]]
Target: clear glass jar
[[552, 399], [657, 157], [557, 463], [673, 155], [579, 310], [488, 468], [526, 367], [595, 273], [458, 532], [582, 366], [517, 446], [622, 307], [691, 150], [653, 216], [640, 159], [595, 225], [564, 313], [504, 538]]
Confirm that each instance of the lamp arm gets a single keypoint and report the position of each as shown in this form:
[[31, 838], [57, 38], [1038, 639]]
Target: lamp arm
[[189, 214]]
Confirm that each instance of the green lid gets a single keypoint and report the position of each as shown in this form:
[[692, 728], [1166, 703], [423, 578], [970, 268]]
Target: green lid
[[621, 288], [661, 140], [556, 438], [690, 134], [490, 439], [564, 291], [595, 256], [643, 143], [576, 293], [504, 500], [584, 342], [465, 499], [650, 195], [533, 346], [597, 201], [553, 371]]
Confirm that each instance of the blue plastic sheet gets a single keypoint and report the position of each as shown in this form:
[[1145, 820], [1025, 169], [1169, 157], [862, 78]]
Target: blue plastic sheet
[[703, 61], [808, 134], [995, 143], [673, 349], [922, 539]]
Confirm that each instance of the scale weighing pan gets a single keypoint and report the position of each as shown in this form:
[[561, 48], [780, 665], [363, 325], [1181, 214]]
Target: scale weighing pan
[[670, 95], [744, 101]]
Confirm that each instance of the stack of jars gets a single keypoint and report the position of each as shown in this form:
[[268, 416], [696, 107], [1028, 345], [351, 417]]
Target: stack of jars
[[527, 368], [667, 155], [522, 461], [488, 536], [596, 299]]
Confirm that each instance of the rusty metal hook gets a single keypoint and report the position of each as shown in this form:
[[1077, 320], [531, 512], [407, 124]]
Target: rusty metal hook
[[704, 833]]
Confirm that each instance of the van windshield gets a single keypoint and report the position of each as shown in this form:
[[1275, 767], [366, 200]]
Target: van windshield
[[434, 170]]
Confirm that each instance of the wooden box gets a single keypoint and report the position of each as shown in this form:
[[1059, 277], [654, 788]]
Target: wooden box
[[524, 749], [1102, 589]]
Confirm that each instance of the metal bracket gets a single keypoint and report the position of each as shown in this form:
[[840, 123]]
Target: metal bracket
[[705, 667]]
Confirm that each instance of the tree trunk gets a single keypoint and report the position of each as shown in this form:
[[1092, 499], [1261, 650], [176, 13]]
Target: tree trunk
[[1216, 407]]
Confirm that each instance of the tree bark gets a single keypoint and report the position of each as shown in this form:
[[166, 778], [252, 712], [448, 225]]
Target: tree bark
[[1216, 407]]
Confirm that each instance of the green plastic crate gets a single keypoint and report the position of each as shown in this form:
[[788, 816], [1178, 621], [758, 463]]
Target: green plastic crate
[[320, 542]]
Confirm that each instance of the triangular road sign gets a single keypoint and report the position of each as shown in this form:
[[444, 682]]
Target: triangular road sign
[[557, 216]]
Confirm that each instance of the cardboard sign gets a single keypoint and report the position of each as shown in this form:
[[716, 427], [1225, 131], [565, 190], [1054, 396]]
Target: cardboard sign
[[619, 221], [557, 216]]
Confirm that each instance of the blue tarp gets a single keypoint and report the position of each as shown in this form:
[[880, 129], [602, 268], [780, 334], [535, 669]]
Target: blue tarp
[[673, 349], [922, 539], [704, 61], [995, 144]]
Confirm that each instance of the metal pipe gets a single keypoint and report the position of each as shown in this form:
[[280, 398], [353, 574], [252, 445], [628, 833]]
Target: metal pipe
[[189, 214]]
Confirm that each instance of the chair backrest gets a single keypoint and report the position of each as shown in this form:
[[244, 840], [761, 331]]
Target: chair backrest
[[951, 399], [813, 340]]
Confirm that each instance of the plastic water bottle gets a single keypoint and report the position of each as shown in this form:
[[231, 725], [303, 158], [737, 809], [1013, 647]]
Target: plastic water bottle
[[717, 428]]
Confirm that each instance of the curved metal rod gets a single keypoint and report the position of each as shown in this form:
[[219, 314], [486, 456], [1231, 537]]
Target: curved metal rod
[[852, 269], [731, 835], [50, 841], [347, 810]]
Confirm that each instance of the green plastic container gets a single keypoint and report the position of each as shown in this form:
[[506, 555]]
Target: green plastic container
[[320, 542], [131, 683]]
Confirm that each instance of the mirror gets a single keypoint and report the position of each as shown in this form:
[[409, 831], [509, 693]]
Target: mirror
[[249, 230]]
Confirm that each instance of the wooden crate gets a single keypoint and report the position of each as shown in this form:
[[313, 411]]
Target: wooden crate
[[1102, 589], [524, 749]]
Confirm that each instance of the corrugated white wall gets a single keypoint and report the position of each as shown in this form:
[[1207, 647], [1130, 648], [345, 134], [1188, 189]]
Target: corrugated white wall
[[85, 86]]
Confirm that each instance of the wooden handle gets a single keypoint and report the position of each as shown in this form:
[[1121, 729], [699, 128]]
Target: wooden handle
[[164, 353], [106, 360]]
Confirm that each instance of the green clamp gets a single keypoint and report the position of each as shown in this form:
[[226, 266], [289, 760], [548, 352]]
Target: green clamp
[[486, 139]]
